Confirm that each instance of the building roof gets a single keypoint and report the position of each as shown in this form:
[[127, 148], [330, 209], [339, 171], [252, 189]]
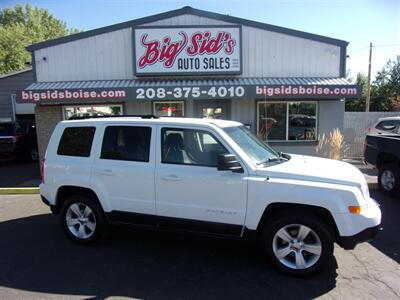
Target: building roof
[[191, 11], [15, 73], [136, 83]]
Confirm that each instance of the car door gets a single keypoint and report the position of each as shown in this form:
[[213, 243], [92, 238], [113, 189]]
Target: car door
[[124, 171], [191, 194]]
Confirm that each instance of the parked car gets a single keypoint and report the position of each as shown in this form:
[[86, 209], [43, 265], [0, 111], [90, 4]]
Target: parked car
[[204, 176], [18, 139], [388, 125], [384, 153]]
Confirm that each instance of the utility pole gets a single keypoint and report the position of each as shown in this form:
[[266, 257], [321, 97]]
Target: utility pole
[[367, 100]]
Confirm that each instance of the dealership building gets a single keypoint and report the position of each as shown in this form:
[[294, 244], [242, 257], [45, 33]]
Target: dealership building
[[287, 86]]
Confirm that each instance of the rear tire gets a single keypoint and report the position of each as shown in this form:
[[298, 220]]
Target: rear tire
[[82, 219], [389, 179], [298, 243]]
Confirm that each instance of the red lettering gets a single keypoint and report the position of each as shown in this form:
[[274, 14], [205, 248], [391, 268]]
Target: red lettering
[[165, 52]]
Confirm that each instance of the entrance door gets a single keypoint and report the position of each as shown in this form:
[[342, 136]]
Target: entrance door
[[212, 109]]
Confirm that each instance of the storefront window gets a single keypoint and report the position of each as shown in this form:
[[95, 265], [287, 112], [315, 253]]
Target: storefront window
[[302, 121], [168, 109], [281, 121], [212, 113], [78, 112], [272, 121]]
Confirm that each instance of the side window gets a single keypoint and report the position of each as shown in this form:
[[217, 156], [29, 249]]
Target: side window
[[126, 143], [76, 141], [190, 147], [389, 125]]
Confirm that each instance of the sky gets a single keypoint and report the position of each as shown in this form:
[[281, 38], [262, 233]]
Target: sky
[[356, 21]]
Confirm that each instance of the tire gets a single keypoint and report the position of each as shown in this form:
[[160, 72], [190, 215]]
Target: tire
[[82, 219], [389, 179], [319, 239]]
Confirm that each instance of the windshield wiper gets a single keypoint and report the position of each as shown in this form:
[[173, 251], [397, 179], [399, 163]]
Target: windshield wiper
[[281, 157], [270, 159]]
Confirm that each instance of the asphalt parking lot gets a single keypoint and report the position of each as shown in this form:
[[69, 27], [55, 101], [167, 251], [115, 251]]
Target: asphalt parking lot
[[37, 261]]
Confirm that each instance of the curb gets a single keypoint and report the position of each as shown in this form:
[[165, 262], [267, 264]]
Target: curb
[[19, 191]]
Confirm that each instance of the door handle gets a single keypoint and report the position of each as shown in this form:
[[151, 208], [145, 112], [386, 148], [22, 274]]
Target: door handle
[[171, 178], [106, 172]]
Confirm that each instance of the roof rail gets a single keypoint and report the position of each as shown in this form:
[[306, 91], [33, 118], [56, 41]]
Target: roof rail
[[113, 116]]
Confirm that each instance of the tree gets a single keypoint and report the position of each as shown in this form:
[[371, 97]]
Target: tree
[[21, 27], [385, 89], [358, 104]]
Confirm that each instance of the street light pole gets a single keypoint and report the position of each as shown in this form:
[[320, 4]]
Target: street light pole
[[367, 100]]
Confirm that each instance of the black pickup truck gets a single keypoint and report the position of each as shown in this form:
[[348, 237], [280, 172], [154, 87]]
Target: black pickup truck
[[383, 152]]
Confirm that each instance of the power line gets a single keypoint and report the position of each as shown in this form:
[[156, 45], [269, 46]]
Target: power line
[[375, 46]]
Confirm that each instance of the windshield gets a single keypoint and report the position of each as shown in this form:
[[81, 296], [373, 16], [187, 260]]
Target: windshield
[[254, 147]]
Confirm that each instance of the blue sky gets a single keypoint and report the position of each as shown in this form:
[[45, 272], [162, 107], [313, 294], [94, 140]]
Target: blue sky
[[356, 21]]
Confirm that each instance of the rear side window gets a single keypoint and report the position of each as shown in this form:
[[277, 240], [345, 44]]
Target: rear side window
[[126, 143], [388, 125], [76, 141]]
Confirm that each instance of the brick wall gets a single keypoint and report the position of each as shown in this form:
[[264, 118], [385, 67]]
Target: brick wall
[[47, 117]]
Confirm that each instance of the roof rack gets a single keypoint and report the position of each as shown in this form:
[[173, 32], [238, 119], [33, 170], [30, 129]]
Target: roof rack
[[113, 116]]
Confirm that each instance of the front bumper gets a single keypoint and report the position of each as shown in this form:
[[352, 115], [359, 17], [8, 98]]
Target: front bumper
[[350, 242]]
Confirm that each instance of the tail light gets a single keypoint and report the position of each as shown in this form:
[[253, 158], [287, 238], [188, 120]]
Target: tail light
[[369, 130], [42, 170]]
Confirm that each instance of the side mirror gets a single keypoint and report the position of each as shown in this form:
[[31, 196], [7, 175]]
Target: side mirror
[[228, 162]]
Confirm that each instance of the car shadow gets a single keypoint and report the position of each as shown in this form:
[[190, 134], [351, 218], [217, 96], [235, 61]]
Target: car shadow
[[387, 241], [36, 256]]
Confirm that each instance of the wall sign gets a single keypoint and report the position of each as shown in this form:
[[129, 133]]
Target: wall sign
[[187, 50], [195, 92]]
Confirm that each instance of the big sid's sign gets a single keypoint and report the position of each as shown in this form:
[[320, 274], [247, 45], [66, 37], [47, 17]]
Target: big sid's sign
[[187, 50]]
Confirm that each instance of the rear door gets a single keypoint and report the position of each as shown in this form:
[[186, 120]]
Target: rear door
[[124, 170]]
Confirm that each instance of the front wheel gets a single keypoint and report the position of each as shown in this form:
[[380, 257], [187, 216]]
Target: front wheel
[[298, 243]]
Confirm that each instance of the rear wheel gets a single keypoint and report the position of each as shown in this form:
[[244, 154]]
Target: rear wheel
[[82, 219], [389, 179], [298, 243]]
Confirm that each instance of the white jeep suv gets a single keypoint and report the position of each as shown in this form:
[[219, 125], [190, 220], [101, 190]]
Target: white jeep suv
[[204, 176]]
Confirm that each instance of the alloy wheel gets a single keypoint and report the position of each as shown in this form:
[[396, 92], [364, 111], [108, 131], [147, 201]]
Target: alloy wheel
[[297, 246], [388, 180], [81, 221]]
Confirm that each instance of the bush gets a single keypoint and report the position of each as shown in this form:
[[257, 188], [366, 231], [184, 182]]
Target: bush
[[332, 146]]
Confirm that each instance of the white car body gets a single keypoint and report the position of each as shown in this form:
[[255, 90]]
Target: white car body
[[196, 193]]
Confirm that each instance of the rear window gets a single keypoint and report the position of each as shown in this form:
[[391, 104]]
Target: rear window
[[6, 129], [126, 143], [76, 141]]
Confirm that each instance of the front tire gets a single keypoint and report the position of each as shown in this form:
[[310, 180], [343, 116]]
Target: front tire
[[82, 219], [298, 243], [389, 179]]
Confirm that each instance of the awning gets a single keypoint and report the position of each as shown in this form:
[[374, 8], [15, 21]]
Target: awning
[[289, 88]]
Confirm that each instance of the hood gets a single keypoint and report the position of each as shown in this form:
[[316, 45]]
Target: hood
[[316, 169]]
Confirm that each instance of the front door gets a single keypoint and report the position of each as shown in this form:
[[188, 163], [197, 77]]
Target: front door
[[191, 194], [212, 109]]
